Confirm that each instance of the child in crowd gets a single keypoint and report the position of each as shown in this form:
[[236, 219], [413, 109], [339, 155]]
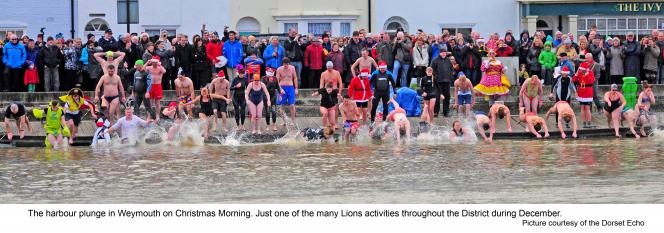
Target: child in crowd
[[31, 77], [523, 74]]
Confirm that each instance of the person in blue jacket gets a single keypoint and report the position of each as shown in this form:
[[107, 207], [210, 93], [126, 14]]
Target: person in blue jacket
[[234, 52], [273, 54], [14, 59]]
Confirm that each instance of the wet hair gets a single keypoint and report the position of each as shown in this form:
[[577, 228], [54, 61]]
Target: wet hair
[[327, 130], [110, 67], [567, 118], [538, 127], [501, 113], [402, 131], [486, 126]]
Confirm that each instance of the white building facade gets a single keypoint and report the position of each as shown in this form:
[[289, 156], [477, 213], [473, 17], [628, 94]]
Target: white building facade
[[29, 16], [456, 16]]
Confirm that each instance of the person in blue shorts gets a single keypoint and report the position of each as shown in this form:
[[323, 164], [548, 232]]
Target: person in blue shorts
[[287, 77]]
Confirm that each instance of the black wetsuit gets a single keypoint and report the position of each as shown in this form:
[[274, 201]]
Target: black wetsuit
[[615, 104], [239, 102], [328, 100], [427, 85], [272, 85], [140, 88], [381, 83]]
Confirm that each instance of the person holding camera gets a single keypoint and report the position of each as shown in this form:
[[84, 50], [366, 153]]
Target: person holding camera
[[402, 58]]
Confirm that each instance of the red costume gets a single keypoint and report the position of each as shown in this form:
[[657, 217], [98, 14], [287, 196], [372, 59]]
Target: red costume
[[584, 78], [30, 77], [359, 88]]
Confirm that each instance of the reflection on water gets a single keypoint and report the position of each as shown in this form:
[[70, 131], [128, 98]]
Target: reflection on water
[[572, 171]]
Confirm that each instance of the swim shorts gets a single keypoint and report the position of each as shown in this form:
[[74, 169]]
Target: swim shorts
[[288, 98]]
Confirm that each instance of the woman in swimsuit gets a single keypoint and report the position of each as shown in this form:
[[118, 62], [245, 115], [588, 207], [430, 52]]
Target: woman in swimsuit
[[255, 93], [458, 133], [631, 117], [206, 109], [646, 97], [328, 105], [614, 104], [428, 89], [531, 94]]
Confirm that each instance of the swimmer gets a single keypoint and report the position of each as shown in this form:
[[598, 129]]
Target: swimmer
[[531, 94], [184, 89], [328, 104], [499, 110], [565, 113], [458, 133], [631, 117], [256, 92], [350, 114], [17, 112], [614, 104], [401, 123], [646, 97], [378, 130], [55, 126], [74, 101], [484, 124], [465, 94], [130, 124], [428, 88], [220, 92], [206, 111], [533, 122], [322, 134]]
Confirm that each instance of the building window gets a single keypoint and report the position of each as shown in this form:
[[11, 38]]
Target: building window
[[4, 31], [96, 27], [319, 28], [619, 26], [248, 26], [393, 23], [454, 31], [288, 26], [542, 24], [123, 6], [344, 29], [155, 32]]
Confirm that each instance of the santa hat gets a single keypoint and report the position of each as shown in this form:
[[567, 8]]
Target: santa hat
[[172, 104], [269, 71], [365, 72], [584, 66], [382, 65], [564, 70], [221, 74], [155, 58]]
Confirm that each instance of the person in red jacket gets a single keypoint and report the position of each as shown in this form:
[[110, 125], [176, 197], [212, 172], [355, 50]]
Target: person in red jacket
[[313, 59], [213, 49], [504, 50], [360, 92], [585, 78]]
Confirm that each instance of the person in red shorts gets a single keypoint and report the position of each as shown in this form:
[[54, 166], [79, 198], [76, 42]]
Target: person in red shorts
[[156, 72]]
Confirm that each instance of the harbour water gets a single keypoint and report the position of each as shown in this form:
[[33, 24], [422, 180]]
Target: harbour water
[[290, 171]]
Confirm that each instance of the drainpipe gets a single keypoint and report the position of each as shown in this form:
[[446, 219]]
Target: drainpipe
[[128, 17], [369, 1], [72, 18]]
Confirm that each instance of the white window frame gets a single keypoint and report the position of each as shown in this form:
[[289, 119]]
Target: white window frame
[[4, 30], [396, 19], [637, 31], [457, 26], [303, 22]]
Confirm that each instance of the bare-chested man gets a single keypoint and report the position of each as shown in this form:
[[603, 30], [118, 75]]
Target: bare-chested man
[[565, 113], [156, 71], [113, 88], [112, 109], [350, 114], [465, 94], [499, 110], [220, 87], [184, 89], [363, 62], [484, 124], [400, 119], [534, 123], [288, 84]]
